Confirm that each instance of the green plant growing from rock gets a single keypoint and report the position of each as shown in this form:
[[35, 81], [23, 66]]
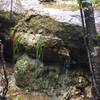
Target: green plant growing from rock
[[39, 48], [98, 35], [16, 44]]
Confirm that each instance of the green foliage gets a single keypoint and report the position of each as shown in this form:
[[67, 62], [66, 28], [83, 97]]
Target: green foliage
[[39, 48], [22, 73], [96, 1], [18, 98], [16, 45], [27, 72], [98, 36]]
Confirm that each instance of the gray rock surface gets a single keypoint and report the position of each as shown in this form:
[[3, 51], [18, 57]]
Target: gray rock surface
[[72, 17], [31, 74], [47, 48], [71, 35]]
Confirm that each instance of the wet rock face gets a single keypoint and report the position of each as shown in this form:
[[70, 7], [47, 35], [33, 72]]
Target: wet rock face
[[32, 74], [45, 26]]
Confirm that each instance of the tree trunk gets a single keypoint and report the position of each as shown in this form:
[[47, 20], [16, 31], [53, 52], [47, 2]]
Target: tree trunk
[[94, 49], [11, 9]]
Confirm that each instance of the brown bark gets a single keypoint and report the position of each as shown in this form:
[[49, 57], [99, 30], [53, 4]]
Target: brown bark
[[93, 48]]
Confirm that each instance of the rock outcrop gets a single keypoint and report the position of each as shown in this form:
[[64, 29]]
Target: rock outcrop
[[47, 48], [46, 40], [31, 74], [56, 36]]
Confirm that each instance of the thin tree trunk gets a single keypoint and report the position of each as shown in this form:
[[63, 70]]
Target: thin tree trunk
[[89, 19], [94, 49], [11, 9]]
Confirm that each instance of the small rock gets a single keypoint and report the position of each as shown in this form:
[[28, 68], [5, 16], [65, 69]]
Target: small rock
[[88, 92]]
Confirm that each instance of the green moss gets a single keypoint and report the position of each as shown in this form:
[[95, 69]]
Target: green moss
[[31, 74], [35, 23], [70, 34], [23, 69], [98, 35]]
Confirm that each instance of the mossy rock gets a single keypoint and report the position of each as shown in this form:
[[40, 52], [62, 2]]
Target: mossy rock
[[70, 34], [31, 75], [52, 49], [21, 71], [26, 71], [34, 23]]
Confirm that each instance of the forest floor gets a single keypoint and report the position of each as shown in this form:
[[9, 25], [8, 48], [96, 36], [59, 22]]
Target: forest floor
[[16, 93]]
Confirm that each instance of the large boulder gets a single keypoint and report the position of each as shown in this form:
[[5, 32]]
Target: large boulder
[[31, 74], [69, 36], [47, 48]]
